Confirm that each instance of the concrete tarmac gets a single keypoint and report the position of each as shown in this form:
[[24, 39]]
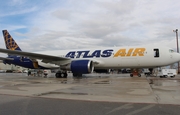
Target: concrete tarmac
[[108, 94]]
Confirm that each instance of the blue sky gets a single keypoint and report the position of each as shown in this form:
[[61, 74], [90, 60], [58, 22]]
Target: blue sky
[[69, 24]]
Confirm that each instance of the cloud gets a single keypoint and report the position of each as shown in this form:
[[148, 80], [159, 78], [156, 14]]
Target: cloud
[[13, 27], [16, 2], [81, 24], [19, 12], [121, 7], [62, 14]]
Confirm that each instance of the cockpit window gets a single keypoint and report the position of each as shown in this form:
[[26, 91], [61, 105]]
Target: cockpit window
[[171, 51]]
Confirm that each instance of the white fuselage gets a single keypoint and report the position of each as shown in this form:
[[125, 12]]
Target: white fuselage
[[124, 57]]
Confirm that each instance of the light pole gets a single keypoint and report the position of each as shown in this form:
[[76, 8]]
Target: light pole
[[177, 44]]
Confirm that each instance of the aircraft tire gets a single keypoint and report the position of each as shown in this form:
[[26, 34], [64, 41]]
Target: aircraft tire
[[58, 75], [139, 75], [64, 75], [74, 75], [131, 75]]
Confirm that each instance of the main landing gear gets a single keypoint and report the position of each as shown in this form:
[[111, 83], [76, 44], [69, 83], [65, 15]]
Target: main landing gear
[[61, 74]]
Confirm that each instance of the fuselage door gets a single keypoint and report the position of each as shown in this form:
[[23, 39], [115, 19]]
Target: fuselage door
[[156, 53]]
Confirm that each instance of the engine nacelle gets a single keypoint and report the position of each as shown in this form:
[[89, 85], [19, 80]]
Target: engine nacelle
[[82, 66]]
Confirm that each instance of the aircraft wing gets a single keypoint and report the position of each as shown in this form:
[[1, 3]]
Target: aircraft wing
[[4, 58], [44, 57]]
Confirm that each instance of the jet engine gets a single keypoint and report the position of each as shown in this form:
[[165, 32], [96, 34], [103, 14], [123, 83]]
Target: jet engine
[[82, 66]]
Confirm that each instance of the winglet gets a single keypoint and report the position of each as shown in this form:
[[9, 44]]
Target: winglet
[[9, 41]]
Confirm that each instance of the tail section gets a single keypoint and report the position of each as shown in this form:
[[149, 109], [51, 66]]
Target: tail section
[[10, 42]]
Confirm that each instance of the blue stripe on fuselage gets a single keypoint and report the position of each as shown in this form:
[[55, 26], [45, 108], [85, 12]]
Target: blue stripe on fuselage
[[22, 61]]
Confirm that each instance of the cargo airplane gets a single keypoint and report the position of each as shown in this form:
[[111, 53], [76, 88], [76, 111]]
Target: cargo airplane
[[84, 61]]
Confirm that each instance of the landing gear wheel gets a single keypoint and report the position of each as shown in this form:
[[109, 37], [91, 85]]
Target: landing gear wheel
[[131, 75], [64, 75], [139, 75], [58, 75]]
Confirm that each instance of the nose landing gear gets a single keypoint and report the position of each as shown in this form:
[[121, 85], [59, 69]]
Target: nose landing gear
[[135, 72]]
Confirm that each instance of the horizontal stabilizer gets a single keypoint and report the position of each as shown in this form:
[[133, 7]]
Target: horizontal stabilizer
[[3, 58]]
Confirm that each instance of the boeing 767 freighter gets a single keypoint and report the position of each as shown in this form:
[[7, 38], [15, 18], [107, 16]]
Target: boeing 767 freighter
[[84, 61]]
